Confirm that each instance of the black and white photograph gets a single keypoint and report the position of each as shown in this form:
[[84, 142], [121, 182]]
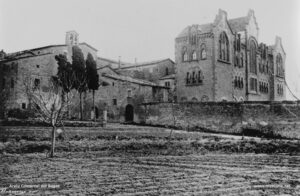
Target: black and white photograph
[[150, 97]]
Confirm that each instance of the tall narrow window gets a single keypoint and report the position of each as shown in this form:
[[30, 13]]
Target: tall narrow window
[[253, 66], [279, 66], [223, 47], [187, 77], [193, 78], [253, 84], [242, 60], [199, 77], [203, 51], [184, 55]]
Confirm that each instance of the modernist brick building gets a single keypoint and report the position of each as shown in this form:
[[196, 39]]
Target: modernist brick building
[[224, 60]]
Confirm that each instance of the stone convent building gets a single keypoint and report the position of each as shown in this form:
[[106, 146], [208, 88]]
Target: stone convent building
[[120, 95], [224, 61]]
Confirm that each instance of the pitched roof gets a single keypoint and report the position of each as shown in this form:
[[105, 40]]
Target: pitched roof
[[113, 61], [171, 76], [147, 63], [109, 67], [238, 24], [204, 28], [83, 43], [132, 80]]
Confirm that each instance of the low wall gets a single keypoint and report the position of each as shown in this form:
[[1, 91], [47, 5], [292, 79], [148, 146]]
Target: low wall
[[225, 117]]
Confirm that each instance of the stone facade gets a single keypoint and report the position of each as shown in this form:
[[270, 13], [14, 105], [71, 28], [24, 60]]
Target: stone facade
[[152, 71], [38, 64], [116, 93], [223, 61]]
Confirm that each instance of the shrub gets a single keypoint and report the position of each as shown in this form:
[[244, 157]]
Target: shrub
[[20, 114]]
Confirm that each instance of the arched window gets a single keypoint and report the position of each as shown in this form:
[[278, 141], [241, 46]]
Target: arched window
[[184, 55], [253, 67], [203, 51], [194, 55], [223, 47], [167, 71], [279, 66]]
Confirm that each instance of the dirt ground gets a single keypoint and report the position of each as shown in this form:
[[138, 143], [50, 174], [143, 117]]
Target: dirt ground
[[129, 160], [94, 173]]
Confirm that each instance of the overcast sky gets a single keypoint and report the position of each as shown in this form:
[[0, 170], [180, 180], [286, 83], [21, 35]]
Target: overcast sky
[[142, 29]]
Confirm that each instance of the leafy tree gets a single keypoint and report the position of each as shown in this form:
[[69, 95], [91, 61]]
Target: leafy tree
[[65, 75], [92, 77], [78, 65]]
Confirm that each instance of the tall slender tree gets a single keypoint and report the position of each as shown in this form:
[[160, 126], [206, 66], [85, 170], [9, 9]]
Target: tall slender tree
[[92, 77], [78, 65], [65, 76]]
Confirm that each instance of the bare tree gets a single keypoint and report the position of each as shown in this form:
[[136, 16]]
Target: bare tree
[[172, 99], [49, 104]]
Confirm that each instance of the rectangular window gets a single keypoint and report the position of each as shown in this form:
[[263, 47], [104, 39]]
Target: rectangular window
[[23, 106], [129, 93], [167, 84], [253, 84], [114, 101]]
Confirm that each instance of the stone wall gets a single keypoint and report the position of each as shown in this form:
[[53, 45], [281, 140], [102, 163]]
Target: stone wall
[[227, 117]]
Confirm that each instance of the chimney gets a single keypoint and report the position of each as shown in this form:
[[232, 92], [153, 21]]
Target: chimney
[[119, 62], [135, 60]]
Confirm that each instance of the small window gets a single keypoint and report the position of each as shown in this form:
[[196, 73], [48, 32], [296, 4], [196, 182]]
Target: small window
[[23, 106], [37, 83], [129, 93], [37, 66], [167, 71], [167, 84], [114, 101], [113, 84]]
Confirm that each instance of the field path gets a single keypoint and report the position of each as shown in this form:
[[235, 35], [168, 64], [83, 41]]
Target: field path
[[210, 174]]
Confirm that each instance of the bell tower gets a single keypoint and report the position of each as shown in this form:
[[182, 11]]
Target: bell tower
[[72, 38]]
